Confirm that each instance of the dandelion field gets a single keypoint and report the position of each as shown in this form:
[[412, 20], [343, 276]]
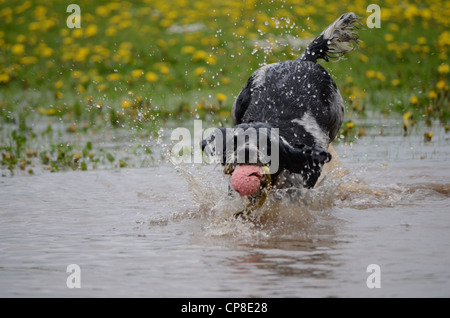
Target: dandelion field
[[137, 65]]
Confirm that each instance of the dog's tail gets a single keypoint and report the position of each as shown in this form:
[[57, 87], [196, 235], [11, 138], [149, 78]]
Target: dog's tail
[[337, 40]]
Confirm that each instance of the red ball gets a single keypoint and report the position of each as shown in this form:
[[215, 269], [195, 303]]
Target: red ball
[[246, 179]]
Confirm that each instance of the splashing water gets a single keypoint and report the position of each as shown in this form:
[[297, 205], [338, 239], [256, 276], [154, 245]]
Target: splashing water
[[285, 211], [294, 212]]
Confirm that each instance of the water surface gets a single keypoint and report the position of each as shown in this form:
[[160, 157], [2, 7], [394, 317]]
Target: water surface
[[166, 231]]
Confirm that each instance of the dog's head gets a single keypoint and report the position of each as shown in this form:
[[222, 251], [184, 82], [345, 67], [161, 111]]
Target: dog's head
[[255, 154]]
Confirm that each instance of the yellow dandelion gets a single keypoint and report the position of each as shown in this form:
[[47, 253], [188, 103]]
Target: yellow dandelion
[[46, 51], [211, 60], [27, 60], [51, 112], [102, 87], [76, 74], [164, 70], [425, 49], [221, 97], [396, 82], [444, 69], [166, 23], [97, 79], [83, 79], [428, 136], [67, 41], [34, 26], [408, 121], [137, 73], [350, 125], [80, 88], [225, 113], [124, 24], [96, 58], [199, 56], [189, 49], [393, 27], [389, 37], [4, 78], [151, 77], [125, 103], [102, 11], [380, 76], [47, 24], [364, 58], [161, 43], [414, 100], [114, 77], [111, 31], [18, 49], [199, 71], [371, 73], [444, 38], [432, 95], [64, 32], [82, 53], [440, 84], [422, 40], [21, 38], [77, 33], [91, 30]]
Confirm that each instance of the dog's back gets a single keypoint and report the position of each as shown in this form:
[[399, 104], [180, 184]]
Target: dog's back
[[298, 97]]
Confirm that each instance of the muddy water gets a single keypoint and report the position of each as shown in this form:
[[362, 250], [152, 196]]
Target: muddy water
[[168, 232]]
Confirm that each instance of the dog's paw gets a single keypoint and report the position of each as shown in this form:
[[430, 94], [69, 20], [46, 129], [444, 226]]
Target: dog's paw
[[320, 156], [315, 154]]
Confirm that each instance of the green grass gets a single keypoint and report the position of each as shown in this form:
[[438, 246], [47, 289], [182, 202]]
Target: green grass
[[138, 65]]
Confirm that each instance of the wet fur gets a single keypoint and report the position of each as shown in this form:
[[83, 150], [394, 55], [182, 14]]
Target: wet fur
[[301, 100]]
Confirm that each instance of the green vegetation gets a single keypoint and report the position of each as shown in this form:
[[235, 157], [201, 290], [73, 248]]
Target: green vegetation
[[138, 65]]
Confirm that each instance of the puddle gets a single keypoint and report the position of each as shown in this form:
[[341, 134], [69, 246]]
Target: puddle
[[167, 232]]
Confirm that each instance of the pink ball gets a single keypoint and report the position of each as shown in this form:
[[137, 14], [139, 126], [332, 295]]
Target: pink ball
[[246, 179]]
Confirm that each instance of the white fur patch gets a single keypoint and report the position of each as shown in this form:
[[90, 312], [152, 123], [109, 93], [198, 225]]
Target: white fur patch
[[260, 76], [311, 126]]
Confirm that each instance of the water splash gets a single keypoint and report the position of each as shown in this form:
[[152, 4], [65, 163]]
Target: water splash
[[294, 213], [285, 210]]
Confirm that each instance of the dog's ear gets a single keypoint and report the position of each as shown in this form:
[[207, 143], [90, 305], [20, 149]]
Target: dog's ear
[[304, 160]]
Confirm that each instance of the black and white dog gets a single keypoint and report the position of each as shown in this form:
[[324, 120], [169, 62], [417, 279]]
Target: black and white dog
[[294, 105]]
